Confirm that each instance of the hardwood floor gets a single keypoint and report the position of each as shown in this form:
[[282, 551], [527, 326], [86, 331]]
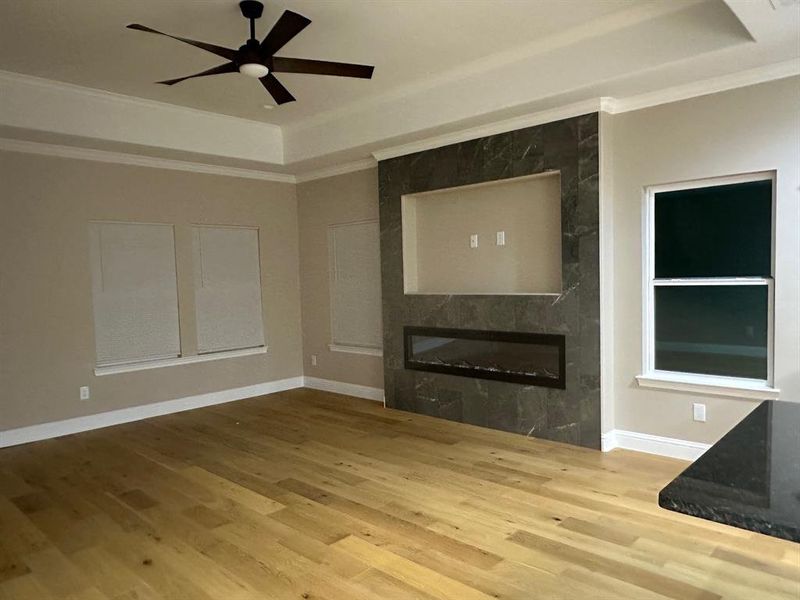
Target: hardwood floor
[[309, 495]]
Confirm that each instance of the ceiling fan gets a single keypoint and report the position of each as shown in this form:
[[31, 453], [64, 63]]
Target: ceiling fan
[[257, 59]]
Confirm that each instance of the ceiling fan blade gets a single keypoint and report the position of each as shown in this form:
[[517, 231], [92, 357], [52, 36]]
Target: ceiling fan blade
[[320, 67], [214, 49], [276, 89], [226, 68], [288, 25]]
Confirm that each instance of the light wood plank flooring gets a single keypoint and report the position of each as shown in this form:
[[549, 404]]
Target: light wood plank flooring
[[309, 495]]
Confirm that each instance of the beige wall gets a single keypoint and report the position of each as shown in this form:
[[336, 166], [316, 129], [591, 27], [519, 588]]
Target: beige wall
[[750, 129], [438, 259], [323, 202], [46, 326]]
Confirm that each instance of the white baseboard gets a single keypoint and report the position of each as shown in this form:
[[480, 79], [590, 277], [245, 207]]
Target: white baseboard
[[348, 389], [43, 431], [629, 440], [652, 444]]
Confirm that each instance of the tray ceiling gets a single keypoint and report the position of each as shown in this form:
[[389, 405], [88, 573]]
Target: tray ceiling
[[85, 42]]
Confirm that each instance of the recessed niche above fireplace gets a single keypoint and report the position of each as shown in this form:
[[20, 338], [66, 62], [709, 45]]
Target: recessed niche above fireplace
[[517, 357], [500, 237]]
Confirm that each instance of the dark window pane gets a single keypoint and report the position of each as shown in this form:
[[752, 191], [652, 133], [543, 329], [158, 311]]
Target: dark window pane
[[721, 231], [714, 330]]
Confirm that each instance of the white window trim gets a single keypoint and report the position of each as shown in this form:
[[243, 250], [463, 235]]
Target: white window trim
[[115, 369], [366, 350], [731, 387], [734, 387]]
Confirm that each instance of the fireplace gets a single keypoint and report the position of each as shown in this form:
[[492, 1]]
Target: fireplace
[[564, 407], [527, 358]]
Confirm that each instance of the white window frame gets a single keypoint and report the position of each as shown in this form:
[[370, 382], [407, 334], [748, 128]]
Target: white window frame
[[651, 377]]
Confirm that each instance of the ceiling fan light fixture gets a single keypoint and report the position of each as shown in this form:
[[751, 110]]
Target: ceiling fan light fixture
[[254, 70], [257, 60]]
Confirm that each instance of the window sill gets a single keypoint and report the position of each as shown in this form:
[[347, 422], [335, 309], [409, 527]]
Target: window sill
[[715, 386], [173, 362], [446, 293], [356, 350]]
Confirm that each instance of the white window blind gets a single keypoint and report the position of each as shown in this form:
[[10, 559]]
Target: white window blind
[[134, 292], [227, 284], [355, 284]]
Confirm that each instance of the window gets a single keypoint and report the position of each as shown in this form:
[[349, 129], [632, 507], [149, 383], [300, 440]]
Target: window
[[227, 286], [355, 287], [709, 286], [134, 292]]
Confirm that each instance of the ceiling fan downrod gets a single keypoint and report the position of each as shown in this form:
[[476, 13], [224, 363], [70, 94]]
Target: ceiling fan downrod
[[251, 10]]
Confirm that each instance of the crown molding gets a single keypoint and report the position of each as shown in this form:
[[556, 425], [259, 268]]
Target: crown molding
[[107, 156], [530, 120], [350, 167], [122, 158], [10, 78], [33, 103], [704, 87], [609, 105], [615, 21], [772, 72]]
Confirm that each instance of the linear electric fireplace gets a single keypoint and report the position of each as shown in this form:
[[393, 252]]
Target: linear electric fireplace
[[527, 358]]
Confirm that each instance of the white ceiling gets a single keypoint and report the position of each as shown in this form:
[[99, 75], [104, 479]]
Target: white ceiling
[[85, 42], [441, 66]]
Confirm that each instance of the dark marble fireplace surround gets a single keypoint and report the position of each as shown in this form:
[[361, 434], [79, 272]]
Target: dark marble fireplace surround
[[569, 415]]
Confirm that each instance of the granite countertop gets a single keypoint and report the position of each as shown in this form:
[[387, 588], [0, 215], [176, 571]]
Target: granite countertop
[[750, 478]]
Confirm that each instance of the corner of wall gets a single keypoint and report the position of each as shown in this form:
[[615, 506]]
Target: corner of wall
[[347, 196], [606, 132]]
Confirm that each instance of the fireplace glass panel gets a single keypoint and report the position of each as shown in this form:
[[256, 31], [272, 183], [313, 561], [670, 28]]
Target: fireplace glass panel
[[536, 359]]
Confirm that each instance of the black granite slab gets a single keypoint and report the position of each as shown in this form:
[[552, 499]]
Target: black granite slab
[[750, 478], [572, 415]]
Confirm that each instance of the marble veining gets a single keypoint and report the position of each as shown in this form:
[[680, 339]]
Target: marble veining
[[750, 478], [571, 415]]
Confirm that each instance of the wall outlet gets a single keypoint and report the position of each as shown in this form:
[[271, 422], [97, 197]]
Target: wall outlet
[[501, 238], [699, 412], [473, 240], [85, 392], [313, 360]]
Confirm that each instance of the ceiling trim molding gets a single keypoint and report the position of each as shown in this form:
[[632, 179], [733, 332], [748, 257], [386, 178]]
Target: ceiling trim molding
[[775, 71], [33, 103], [10, 77], [610, 105], [504, 126], [122, 158], [614, 21], [704, 87], [350, 167]]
